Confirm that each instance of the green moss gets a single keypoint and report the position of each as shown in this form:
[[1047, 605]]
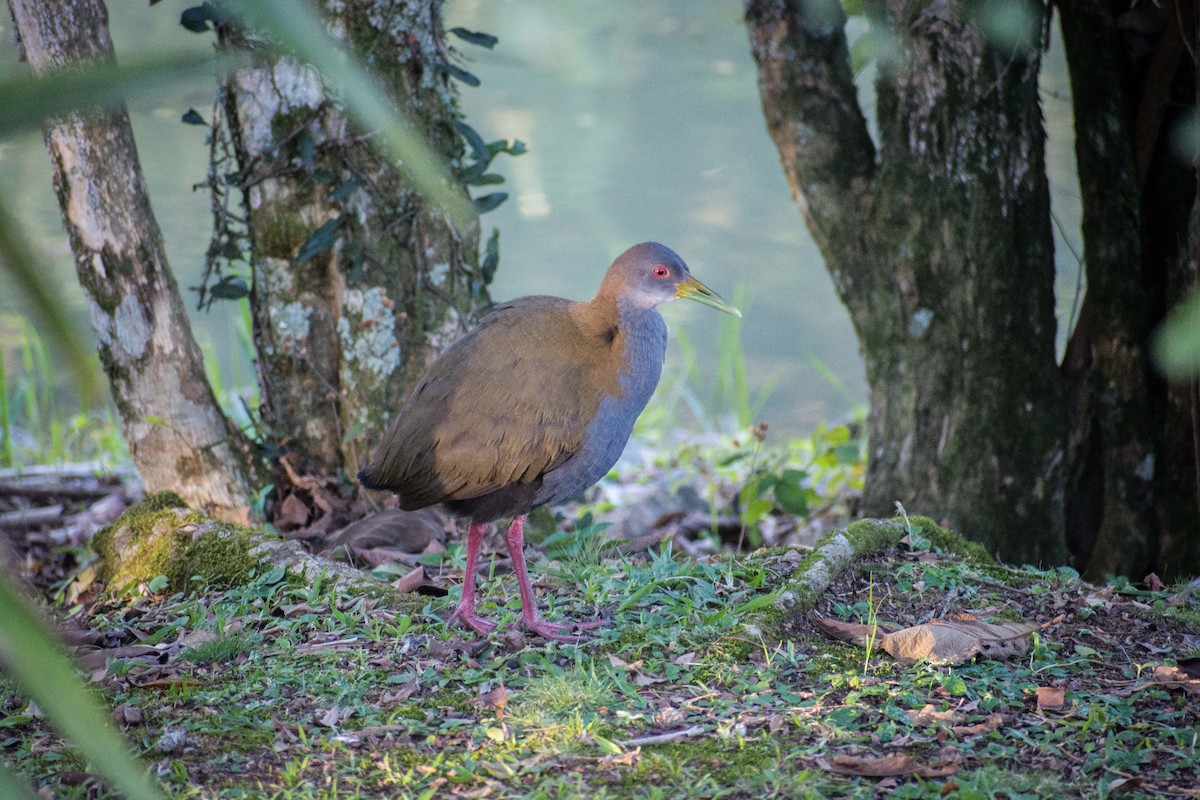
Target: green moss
[[140, 517], [158, 501], [868, 536], [950, 542], [802, 589], [727, 763], [161, 536], [281, 235], [220, 556], [139, 545]]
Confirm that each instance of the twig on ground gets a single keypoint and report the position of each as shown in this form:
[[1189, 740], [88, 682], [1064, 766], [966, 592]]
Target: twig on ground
[[669, 737]]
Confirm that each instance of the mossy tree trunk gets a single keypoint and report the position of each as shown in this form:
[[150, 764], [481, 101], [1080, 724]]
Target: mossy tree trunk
[[939, 244], [177, 435], [1133, 503], [356, 280]]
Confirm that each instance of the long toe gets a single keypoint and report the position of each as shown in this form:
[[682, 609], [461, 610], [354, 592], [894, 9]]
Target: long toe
[[472, 620], [591, 624], [558, 632]]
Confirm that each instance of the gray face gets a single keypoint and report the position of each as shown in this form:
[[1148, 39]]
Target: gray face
[[648, 274]]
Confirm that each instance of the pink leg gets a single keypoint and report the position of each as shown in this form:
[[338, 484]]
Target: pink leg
[[465, 612], [529, 613]]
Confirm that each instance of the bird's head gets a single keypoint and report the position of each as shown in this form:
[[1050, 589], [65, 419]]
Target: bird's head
[[649, 273]]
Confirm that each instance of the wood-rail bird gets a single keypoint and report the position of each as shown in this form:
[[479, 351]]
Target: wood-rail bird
[[531, 406]]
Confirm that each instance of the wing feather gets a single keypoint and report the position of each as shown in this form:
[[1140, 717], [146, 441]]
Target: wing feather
[[503, 406]]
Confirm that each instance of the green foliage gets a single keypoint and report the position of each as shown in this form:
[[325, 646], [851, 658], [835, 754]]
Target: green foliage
[[584, 542], [421, 711], [45, 673], [34, 426], [1177, 343], [219, 649], [476, 174], [801, 477]]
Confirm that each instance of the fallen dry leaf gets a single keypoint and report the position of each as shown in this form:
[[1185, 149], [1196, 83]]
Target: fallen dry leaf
[[334, 715], [667, 716], [992, 723], [929, 715], [956, 638], [497, 698], [1168, 677], [1124, 784], [853, 632], [196, 638], [293, 513], [895, 764], [1050, 698], [871, 766], [411, 581], [128, 715]]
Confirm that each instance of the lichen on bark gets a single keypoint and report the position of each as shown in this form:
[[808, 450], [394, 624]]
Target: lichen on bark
[[346, 315], [939, 245], [178, 437]]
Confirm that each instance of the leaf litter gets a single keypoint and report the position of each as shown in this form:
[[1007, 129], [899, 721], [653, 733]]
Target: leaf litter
[[1012, 682]]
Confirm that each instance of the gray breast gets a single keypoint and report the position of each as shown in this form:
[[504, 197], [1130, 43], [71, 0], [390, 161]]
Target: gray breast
[[645, 336]]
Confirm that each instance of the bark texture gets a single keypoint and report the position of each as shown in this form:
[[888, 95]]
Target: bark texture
[[1133, 504], [940, 246], [177, 435], [342, 331]]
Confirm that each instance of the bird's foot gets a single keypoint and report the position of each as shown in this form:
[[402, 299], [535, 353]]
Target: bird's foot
[[468, 617], [556, 631]]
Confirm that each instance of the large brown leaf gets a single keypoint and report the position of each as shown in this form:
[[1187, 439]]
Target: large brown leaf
[[956, 638]]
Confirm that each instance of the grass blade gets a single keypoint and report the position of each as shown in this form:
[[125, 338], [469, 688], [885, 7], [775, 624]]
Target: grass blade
[[30, 100], [17, 255], [43, 670], [14, 786]]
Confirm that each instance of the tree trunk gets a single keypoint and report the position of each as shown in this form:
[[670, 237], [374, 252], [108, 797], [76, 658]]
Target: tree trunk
[[356, 282], [177, 435], [1132, 495], [940, 247]]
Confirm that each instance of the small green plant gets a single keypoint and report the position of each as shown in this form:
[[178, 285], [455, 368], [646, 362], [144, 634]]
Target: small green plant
[[872, 621], [222, 648], [34, 427], [583, 544]]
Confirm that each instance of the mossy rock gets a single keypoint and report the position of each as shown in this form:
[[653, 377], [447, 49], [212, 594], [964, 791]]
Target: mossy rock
[[162, 536]]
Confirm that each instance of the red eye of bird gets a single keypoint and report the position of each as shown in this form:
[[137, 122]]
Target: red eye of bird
[[660, 271]]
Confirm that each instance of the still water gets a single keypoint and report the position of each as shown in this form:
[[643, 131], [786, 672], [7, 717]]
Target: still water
[[643, 122]]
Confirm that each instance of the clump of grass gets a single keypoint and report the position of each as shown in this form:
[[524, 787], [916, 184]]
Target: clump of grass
[[222, 648], [238, 394], [561, 697], [35, 427]]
